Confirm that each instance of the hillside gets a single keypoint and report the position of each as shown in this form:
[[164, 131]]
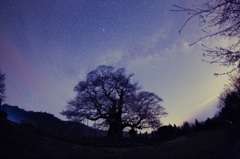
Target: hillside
[[17, 141], [47, 123]]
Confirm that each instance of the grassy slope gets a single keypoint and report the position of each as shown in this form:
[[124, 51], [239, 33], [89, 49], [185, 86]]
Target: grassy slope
[[20, 142]]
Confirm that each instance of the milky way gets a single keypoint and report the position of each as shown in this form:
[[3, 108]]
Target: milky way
[[46, 47]]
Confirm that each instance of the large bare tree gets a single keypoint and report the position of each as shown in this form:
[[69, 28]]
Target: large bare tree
[[109, 96], [218, 18]]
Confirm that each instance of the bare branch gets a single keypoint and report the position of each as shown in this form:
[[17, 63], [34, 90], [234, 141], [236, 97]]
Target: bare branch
[[217, 18]]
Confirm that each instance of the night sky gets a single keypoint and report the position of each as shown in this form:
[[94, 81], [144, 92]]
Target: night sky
[[47, 46]]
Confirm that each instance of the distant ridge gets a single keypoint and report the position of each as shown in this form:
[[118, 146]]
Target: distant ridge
[[48, 123]]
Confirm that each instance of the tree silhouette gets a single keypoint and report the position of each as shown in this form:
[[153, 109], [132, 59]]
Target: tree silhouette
[[166, 132], [229, 101], [197, 126], [111, 97], [186, 127], [218, 18], [2, 87]]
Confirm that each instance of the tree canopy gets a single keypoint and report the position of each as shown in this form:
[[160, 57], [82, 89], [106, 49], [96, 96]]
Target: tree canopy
[[229, 101], [2, 87], [110, 96], [218, 18]]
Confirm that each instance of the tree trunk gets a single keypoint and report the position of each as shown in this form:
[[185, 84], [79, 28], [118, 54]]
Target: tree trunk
[[115, 127], [115, 130]]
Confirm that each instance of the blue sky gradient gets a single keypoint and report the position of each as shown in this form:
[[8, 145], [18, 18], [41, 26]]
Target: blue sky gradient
[[46, 47]]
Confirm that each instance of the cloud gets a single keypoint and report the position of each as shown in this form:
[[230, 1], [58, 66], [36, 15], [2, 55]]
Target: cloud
[[148, 43], [220, 41], [158, 55], [109, 58]]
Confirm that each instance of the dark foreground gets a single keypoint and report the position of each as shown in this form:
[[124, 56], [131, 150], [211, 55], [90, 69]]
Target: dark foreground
[[17, 141]]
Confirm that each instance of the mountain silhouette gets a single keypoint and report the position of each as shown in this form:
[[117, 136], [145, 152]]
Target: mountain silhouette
[[47, 123]]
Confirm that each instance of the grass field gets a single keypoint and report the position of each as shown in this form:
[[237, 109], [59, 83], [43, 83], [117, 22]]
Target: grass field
[[17, 142]]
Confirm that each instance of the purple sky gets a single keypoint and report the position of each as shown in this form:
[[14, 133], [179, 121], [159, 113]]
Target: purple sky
[[47, 46]]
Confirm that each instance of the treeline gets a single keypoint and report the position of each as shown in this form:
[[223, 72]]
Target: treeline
[[167, 132], [170, 131], [228, 114], [46, 123], [229, 101]]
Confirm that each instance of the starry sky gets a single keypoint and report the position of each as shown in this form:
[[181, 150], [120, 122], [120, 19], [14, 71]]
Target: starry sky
[[47, 46]]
